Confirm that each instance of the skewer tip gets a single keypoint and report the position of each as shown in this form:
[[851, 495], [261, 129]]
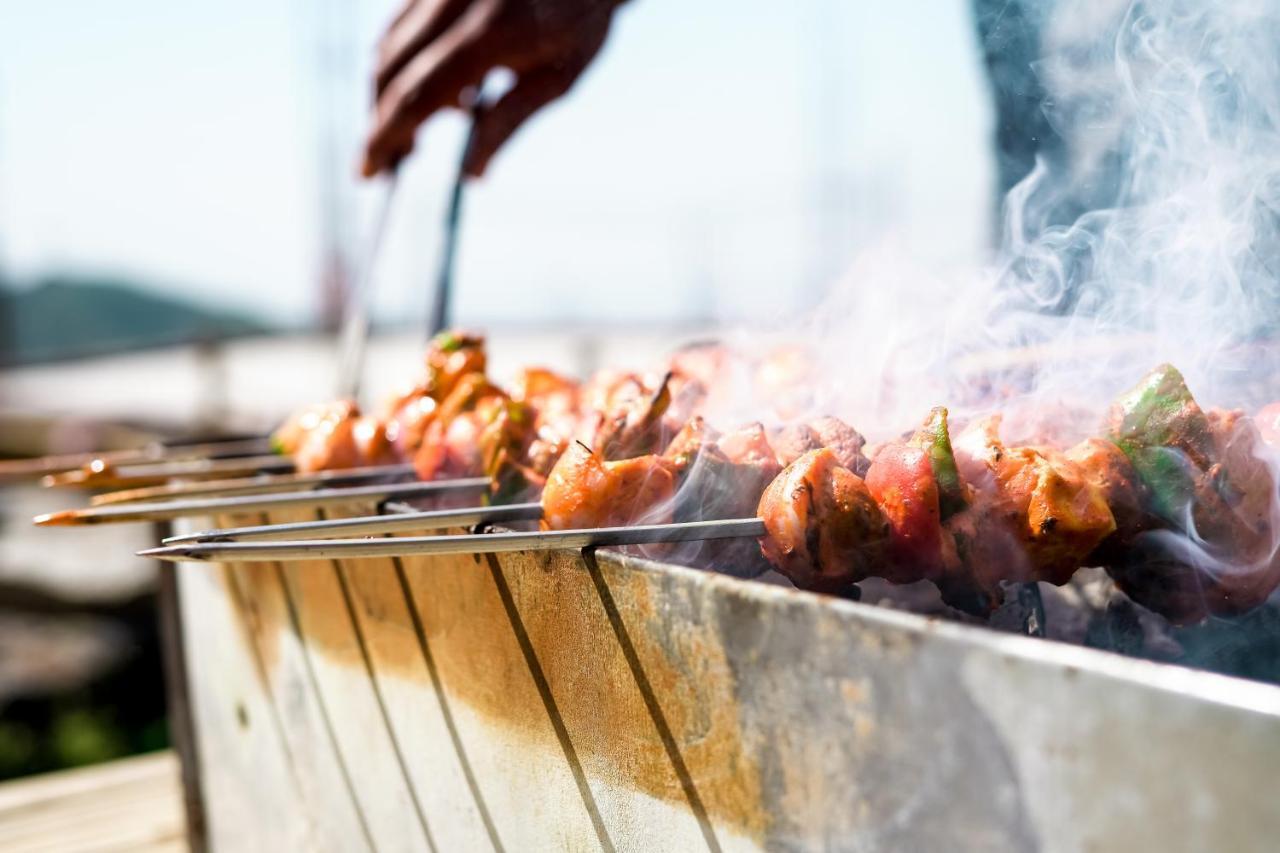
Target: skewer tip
[[61, 518], [88, 474], [174, 553], [192, 538]]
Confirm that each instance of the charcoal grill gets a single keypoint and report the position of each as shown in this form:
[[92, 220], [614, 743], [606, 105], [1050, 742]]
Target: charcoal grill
[[589, 700]]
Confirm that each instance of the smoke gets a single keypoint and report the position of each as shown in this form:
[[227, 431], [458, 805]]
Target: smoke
[[1148, 231], [1152, 233], [1178, 122]]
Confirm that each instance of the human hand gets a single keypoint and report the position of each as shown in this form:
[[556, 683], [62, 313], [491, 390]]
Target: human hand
[[435, 51]]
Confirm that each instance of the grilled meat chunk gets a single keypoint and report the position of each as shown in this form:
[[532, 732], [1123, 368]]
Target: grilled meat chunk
[[844, 441], [335, 436], [450, 356], [584, 490], [1211, 484], [719, 477], [1040, 510], [825, 531], [290, 436], [793, 441]]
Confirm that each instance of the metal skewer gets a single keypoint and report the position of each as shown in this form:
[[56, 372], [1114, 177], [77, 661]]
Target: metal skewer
[[157, 472], [367, 525], [442, 298], [256, 485], [42, 465], [480, 543], [160, 510], [355, 327]]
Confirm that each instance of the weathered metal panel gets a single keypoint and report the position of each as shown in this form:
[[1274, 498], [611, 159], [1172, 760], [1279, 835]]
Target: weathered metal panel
[[568, 701]]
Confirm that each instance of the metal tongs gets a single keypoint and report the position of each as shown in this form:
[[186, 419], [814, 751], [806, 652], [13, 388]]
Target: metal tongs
[[355, 327]]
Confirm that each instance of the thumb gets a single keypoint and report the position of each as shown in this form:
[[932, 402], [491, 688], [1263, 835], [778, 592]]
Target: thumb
[[499, 121]]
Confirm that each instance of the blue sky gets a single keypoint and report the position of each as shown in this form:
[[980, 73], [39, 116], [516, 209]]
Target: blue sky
[[723, 159]]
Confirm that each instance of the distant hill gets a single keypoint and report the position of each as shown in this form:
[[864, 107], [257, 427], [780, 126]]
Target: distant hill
[[64, 317]]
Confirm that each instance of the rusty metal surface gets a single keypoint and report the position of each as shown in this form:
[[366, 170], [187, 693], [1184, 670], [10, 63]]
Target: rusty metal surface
[[882, 730], [591, 701]]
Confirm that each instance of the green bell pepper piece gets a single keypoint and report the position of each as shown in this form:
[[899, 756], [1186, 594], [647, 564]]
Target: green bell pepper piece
[[1165, 435], [446, 341], [934, 437]]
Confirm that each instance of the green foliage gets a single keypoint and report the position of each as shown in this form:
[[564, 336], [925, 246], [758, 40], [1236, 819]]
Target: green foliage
[[71, 317], [85, 727], [86, 736], [109, 714], [18, 747]]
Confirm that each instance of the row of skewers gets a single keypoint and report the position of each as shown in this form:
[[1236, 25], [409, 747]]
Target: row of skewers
[[1178, 504]]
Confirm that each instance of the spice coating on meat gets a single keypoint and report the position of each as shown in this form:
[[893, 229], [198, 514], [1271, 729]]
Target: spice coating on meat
[[1052, 511], [844, 441], [793, 441], [291, 435], [583, 491], [554, 399], [723, 476], [1109, 470], [824, 529], [451, 356], [333, 437], [451, 443]]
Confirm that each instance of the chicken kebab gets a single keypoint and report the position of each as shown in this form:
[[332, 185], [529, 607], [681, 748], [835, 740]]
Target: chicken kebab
[[1176, 503], [455, 422]]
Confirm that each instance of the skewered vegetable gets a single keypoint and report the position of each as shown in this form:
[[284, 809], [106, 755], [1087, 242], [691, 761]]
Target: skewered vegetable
[[1176, 502], [1211, 547], [1186, 531]]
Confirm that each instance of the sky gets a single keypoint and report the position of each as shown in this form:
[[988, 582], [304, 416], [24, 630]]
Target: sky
[[722, 160]]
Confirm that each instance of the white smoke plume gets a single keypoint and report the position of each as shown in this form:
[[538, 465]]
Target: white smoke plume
[[1154, 236]]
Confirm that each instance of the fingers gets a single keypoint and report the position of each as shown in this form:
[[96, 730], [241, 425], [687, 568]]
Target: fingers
[[497, 124], [406, 8], [432, 79], [417, 25], [534, 89]]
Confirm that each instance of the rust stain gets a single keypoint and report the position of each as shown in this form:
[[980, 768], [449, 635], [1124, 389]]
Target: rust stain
[[855, 691], [857, 696], [380, 607], [479, 662], [684, 660], [595, 690]]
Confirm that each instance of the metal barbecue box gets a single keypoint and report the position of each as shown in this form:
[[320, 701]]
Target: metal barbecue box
[[584, 700]]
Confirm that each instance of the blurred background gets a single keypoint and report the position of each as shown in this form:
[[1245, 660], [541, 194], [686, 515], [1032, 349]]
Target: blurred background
[[179, 219]]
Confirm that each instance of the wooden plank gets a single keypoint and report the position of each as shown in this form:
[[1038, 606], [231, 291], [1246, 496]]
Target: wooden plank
[[182, 733], [603, 710], [325, 780], [511, 743], [342, 685], [418, 715], [259, 484], [134, 803], [252, 783]]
